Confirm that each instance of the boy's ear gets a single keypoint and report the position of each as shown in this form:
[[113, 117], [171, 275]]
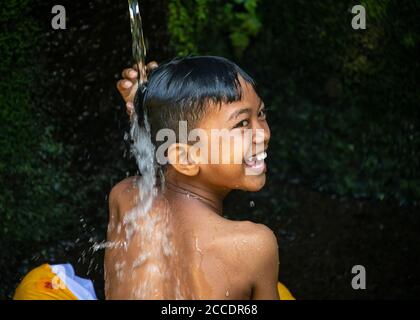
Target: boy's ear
[[182, 160]]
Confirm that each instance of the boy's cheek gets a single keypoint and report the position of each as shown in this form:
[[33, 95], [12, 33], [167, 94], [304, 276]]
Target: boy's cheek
[[237, 150], [227, 149]]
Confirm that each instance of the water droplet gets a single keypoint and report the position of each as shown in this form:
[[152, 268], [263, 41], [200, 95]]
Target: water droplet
[[196, 245]]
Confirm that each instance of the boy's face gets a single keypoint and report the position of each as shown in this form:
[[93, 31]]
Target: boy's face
[[238, 136]]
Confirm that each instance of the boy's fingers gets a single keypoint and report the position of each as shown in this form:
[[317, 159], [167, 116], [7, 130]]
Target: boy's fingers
[[151, 65], [129, 108], [124, 85], [129, 73], [127, 90]]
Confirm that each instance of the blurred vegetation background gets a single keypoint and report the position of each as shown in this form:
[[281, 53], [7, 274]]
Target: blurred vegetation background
[[344, 174]]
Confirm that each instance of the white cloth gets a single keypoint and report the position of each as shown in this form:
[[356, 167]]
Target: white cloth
[[82, 288]]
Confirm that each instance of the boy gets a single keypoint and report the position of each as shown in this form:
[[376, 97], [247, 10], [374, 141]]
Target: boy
[[219, 258]]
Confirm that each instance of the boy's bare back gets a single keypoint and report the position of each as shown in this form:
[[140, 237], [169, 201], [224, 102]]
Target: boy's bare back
[[216, 258]]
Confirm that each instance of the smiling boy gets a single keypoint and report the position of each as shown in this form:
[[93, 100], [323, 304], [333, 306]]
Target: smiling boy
[[217, 258]]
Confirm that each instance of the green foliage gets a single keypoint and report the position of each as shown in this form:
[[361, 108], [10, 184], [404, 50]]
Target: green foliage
[[32, 172], [338, 152], [204, 26], [345, 116]]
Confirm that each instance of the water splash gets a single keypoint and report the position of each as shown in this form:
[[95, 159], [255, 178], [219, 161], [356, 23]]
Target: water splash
[[142, 147], [143, 150], [143, 251]]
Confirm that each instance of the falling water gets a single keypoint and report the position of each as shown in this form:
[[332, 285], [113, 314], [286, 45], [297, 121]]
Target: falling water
[[142, 147], [142, 249], [138, 45]]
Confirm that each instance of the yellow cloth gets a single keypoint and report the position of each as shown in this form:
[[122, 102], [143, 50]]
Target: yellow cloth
[[284, 293], [42, 284]]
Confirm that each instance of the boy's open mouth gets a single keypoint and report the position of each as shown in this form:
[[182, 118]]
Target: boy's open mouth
[[256, 162]]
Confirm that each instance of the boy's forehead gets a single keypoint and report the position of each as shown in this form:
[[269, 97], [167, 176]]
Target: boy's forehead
[[247, 88], [223, 110], [220, 112], [249, 97]]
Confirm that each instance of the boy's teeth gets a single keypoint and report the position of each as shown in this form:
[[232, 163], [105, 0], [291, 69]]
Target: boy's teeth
[[261, 156]]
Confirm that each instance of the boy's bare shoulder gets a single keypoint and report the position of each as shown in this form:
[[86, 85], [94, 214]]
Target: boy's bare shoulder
[[259, 235], [252, 239], [249, 249], [122, 192], [124, 185], [261, 255]]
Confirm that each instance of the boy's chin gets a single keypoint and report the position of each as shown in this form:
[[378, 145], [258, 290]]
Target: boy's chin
[[255, 183]]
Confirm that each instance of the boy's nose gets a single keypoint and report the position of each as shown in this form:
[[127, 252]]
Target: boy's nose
[[260, 139], [261, 135], [258, 136]]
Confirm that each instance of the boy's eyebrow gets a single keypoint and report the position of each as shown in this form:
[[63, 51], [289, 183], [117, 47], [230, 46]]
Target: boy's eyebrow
[[244, 110], [239, 112]]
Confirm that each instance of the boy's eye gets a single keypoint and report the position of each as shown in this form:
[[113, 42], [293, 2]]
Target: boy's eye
[[243, 123], [262, 113]]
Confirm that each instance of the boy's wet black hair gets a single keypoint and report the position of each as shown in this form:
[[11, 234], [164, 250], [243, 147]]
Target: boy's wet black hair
[[182, 89]]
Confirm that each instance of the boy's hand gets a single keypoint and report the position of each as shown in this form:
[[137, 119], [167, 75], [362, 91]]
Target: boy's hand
[[127, 86]]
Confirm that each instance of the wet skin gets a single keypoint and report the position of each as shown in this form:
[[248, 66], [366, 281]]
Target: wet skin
[[214, 258]]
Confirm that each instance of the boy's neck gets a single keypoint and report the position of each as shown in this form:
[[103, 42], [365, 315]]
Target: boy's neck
[[183, 184]]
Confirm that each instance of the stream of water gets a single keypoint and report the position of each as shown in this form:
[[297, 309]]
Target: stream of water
[[141, 247]]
